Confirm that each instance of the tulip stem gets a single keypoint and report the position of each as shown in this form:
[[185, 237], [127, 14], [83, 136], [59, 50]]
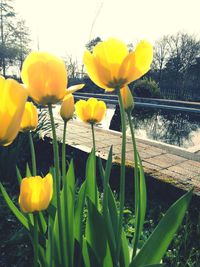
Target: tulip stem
[[35, 216], [64, 150], [122, 173], [57, 182], [94, 155], [136, 188], [93, 137], [33, 159]]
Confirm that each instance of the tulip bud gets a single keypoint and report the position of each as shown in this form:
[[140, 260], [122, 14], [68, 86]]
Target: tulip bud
[[127, 99], [35, 193], [67, 107], [30, 118]]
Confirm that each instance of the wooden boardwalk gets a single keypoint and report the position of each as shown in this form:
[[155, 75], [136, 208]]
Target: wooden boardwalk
[[169, 165]]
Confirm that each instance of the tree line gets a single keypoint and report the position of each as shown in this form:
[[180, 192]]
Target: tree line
[[14, 38], [175, 69], [174, 73]]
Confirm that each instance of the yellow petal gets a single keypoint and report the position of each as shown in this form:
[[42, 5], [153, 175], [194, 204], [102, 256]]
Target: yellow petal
[[29, 120], [110, 55], [99, 75], [74, 88], [137, 63], [99, 111]]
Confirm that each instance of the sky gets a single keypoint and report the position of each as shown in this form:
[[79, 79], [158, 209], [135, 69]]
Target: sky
[[63, 27]]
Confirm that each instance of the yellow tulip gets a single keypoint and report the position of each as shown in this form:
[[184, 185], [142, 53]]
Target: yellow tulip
[[12, 102], [67, 107], [45, 77], [127, 98], [30, 118], [111, 66], [90, 111], [35, 193]]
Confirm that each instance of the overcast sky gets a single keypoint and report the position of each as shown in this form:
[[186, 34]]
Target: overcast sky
[[63, 27]]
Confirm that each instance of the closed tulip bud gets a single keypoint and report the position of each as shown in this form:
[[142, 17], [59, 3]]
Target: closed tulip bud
[[45, 77], [30, 118], [67, 107], [91, 111], [127, 99], [35, 193], [12, 102]]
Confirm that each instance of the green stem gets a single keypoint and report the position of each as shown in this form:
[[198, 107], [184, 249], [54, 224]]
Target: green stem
[[35, 245], [57, 182], [122, 173], [93, 137], [136, 187], [94, 155], [33, 159], [64, 151]]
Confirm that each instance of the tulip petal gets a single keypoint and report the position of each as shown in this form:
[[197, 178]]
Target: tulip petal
[[110, 55], [74, 88], [98, 74], [137, 63]]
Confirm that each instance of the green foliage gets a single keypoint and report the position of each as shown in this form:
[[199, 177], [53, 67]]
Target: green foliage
[[146, 88]]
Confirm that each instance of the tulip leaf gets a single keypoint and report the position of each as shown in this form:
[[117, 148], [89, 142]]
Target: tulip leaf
[[124, 253], [89, 256], [96, 235], [78, 221], [106, 181], [13, 208], [19, 177], [67, 207], [28, 171], [155, 247], [141, 200], [91, 185]]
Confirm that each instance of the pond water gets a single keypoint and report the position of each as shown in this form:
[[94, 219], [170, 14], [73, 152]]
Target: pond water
[[172, 127]]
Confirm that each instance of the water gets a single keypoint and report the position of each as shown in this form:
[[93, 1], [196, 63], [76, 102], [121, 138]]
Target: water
[[172, 127]]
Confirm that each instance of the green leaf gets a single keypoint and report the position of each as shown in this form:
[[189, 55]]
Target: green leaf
[[91, 185], [155, 247], [78, 222], [13, 208], [67, 208], [96, 235], [156, 265], [140, 202], [28, 172], [19, 177], [124, 253], [106, 182], [89, 256]]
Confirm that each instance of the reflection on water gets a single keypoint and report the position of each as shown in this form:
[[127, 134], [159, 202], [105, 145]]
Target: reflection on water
[[171, 127]]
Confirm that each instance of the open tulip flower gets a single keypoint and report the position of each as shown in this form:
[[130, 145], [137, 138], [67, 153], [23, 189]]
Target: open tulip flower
[[12, 102], [30, 118], [35, 193], [91, 111], [45, 77], [111, 66]]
